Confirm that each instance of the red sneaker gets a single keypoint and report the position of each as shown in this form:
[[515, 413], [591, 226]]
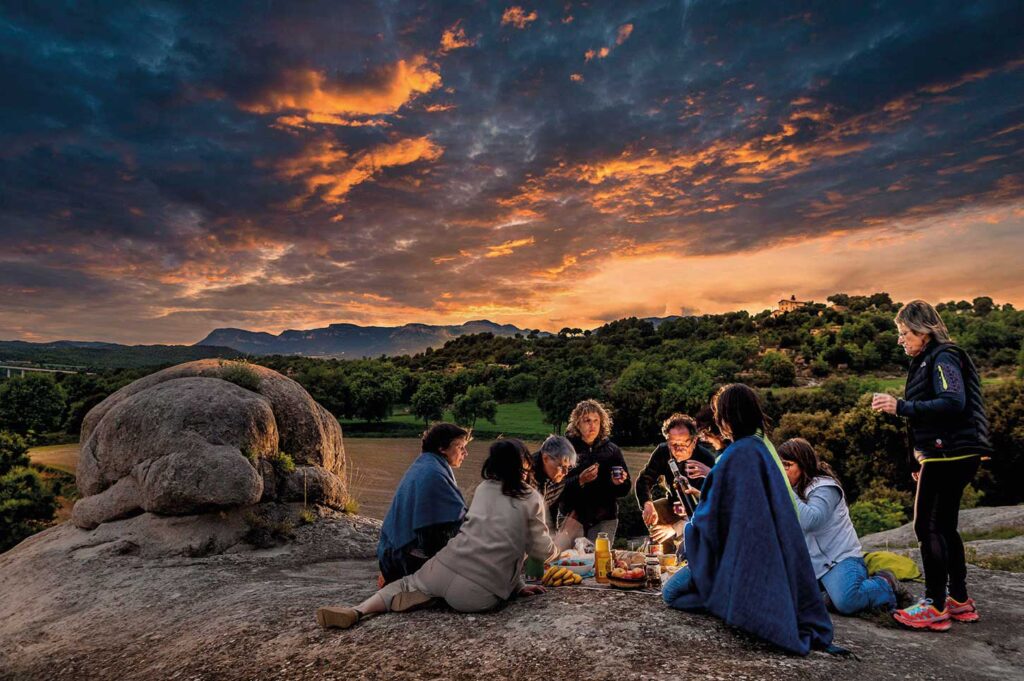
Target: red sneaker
[[962, 612], [924, 615]]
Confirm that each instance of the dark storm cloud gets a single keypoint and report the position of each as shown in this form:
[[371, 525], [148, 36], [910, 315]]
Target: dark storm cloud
[[195, 164]]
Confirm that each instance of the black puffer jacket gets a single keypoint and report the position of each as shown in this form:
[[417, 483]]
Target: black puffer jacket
[[598, 499], [943, 404]]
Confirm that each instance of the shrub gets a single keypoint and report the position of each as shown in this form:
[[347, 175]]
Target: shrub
[[876, 515], [282, 463], [27, 502], [241, 374], [971, 498]]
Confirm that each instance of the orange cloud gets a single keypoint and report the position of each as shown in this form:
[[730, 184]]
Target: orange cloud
[[508, 247], [576, 78], [317, 99], [330, 171], [454, 38], [625, 31], [517, 17]]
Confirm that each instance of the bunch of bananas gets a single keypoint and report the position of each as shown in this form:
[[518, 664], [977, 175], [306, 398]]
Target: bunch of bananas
[[560, 576]]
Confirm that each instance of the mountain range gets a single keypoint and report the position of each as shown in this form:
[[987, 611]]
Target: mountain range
[[351, 341]]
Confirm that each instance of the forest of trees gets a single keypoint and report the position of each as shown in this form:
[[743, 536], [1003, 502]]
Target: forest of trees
[[838, 352]]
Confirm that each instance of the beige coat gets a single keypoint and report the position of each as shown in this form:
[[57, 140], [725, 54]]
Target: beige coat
[[499, 532]]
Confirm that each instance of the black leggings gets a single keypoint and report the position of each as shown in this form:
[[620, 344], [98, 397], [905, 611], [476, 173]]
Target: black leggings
[[936, 512]]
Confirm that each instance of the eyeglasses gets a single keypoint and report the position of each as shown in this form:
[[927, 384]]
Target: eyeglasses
[[681, 446]]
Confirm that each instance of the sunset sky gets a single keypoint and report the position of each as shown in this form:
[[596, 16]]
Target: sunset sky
[[169, 168]]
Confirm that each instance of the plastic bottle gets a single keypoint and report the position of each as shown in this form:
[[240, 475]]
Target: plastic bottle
[[602, 558]]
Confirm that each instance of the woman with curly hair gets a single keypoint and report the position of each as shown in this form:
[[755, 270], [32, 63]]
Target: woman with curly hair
[[590, 501]]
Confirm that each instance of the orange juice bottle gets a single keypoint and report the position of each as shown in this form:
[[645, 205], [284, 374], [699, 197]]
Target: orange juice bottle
[[602, 558]]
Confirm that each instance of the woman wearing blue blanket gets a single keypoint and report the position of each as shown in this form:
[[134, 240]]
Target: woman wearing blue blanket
[[747, 560], [428, 507]]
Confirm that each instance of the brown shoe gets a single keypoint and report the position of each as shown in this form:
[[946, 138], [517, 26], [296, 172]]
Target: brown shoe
[[337, 617], [404, 601]]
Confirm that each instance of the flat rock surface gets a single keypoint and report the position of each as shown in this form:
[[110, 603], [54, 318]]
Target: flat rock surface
[[974, 520], [71, 609]]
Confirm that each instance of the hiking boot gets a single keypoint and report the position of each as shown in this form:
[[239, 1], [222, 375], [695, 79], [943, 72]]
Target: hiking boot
[[924, 615], [902, 594], [337, 618], [962, 612]]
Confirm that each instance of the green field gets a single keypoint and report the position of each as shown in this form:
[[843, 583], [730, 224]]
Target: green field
[[521, 419]]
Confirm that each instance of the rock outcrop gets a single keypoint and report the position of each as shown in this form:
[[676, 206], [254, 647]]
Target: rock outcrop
[[80, 604], [203, 437]]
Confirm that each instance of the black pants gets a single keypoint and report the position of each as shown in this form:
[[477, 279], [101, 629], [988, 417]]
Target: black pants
[[936, 513]]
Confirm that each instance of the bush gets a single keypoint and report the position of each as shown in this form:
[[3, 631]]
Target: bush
[[27, 502], [241, 374], [27, 505], [876, 515], [282, 463], [971, 498]]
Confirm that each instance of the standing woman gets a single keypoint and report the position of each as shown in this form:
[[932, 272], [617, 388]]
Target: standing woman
[[949, 430]]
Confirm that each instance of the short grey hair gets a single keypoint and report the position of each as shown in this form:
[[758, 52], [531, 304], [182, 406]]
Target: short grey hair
[[560, 449], [921, 318]]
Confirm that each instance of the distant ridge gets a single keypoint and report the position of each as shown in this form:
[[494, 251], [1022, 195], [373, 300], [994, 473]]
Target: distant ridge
[[98, 355], [352, 341]]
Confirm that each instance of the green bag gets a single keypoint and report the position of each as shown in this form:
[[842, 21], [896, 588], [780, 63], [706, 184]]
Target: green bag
[[901, 566]]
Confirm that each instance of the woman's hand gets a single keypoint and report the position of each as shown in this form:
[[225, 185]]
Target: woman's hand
[[532, 590], [696, 469], [883, 402], [589, 474]]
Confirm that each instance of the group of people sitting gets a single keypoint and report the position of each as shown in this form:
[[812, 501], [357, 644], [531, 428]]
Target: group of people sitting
[[767, 537]]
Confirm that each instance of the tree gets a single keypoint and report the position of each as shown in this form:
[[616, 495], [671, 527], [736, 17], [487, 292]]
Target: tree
[[778, 369], [31, 403], [522, 387], [1005, 407], [982, 305], [26, 503], [376, 387], [428, 401], [561, 389], [477, 402], [13, 451]]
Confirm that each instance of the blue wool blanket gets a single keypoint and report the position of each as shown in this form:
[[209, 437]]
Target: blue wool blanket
[[748, 560], [427, 495]]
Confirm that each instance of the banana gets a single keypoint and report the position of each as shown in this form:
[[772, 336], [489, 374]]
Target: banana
[[548, 574]]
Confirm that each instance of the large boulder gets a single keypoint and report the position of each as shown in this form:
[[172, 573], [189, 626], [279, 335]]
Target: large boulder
[[204, 436]]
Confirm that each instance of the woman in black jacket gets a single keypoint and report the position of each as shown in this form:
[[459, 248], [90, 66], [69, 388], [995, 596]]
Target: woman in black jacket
[[590, 501], [943, 404]]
